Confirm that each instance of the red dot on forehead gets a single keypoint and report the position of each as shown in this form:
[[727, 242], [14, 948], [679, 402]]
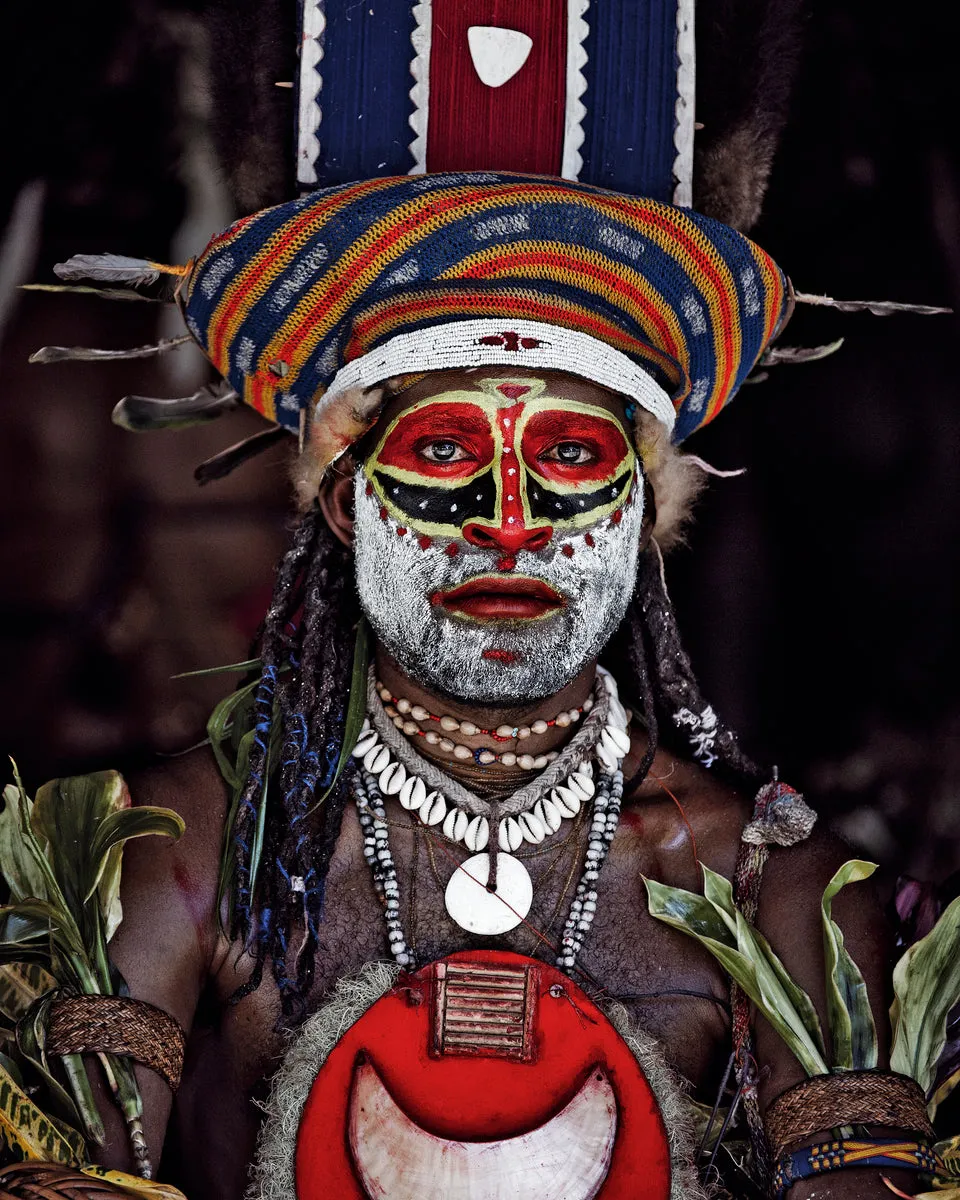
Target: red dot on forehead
[[513, 391]]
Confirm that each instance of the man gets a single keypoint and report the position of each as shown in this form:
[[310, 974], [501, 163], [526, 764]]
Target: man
[[485, 373]]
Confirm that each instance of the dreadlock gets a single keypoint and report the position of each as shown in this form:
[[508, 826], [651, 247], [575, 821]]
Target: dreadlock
[[298, 719]]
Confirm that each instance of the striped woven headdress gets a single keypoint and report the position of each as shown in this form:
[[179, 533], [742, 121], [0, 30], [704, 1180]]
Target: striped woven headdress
[[304, 306]]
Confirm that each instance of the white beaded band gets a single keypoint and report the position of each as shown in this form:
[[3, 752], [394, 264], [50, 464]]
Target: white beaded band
[[462, 344]]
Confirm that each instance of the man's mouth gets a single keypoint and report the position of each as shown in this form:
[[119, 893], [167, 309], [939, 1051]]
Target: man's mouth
[[496, 598]]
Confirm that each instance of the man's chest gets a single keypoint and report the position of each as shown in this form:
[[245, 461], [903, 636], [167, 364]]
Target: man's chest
[[667, 986]]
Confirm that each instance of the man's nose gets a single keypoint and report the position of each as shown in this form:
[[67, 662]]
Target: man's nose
[[506, 537]]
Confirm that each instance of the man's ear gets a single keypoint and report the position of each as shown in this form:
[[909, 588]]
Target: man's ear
[[649, 513], [336, 498]]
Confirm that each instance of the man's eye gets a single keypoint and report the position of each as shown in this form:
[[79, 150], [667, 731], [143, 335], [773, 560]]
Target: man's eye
[[570, 454], [443, 451]]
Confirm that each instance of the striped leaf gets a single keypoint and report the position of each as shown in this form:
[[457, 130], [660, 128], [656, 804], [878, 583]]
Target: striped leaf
[[926, 985], [29, 1133], [852, 1029]]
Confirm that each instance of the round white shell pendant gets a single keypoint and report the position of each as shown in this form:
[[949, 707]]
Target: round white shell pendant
[[489, 913]]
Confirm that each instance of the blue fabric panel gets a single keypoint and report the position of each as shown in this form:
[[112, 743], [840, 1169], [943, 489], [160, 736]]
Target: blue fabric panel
[[631, 74], [365, 99]]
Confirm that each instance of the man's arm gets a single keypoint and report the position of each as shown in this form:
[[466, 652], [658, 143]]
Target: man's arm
[[789, 916], [167, 942]]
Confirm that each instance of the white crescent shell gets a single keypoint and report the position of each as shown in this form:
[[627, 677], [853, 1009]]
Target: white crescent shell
[[477, 834], [566, 1158]]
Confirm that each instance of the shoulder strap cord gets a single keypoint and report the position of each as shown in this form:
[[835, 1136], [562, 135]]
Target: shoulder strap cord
[[780, 817]]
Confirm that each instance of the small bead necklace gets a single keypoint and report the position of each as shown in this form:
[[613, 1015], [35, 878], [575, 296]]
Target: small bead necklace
[[409, 714]]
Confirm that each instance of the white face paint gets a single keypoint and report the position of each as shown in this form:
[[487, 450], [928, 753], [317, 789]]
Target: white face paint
[[494, 661]]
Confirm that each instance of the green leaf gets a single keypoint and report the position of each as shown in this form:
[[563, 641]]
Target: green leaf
[[30, 928], [926, 984], [852, 1029], [220, 727], [747, 958], [31, 1037], [18, 859], [251, 664]]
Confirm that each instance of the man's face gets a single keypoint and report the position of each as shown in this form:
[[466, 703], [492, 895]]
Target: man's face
[[498, 522]]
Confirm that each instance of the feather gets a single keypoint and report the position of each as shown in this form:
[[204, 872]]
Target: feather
[[109, 268], [228, 460], [778, 355], [879, 308], [103, 293], [140, 414], [53, 354]]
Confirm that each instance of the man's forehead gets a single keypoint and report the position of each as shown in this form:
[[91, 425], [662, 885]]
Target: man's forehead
[[511, 385]]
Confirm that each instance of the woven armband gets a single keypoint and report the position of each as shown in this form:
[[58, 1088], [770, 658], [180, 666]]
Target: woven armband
[[847, 1098], [118, 1025]]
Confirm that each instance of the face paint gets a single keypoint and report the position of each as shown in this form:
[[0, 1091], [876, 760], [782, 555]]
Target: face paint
[[504, 465], [497, 534]]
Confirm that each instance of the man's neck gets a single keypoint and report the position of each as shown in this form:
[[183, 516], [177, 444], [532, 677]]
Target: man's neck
[[518, 715]]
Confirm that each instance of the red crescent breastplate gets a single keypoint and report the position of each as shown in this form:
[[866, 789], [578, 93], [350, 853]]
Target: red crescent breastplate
[[482, 1075]]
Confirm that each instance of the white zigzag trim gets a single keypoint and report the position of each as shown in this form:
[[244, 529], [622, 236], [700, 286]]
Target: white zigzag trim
[[686, 95], [308, 101], [421, 39], [571, 161]]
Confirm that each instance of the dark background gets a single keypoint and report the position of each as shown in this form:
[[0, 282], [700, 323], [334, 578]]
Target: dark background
[[818, 593]]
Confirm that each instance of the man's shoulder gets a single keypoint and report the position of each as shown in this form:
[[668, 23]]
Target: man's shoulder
[[192, 786]]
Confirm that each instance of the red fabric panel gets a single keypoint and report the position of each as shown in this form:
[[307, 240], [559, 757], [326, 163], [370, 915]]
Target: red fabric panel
[[515, 127]]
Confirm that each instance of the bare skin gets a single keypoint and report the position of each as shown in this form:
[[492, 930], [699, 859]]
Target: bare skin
[[173, 954]]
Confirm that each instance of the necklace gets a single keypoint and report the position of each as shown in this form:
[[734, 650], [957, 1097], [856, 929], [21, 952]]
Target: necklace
[[471, 899], [541, 817], [408, 717], [376, 848]]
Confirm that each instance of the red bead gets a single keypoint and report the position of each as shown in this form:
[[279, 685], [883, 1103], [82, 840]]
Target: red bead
[[453, 549], [383, 514], [400, 531], [424, 542], [567, 550], [617, 516], [588, 538], [506, 563], [369, 489]]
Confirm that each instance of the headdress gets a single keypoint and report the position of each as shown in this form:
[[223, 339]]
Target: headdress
[[304, 307]]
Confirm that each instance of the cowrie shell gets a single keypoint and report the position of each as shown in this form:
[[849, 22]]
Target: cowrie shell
[[549, 814], [392, 778], [581, 785], [365, 743], [455, 824], [376, 759], [510, 835], [413, 793], [532, 829], [607, 757], [567, 801], [477, 834], [618, 738], [433, 809]]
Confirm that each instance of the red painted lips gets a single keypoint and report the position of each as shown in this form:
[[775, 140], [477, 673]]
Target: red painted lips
[[499, 598]]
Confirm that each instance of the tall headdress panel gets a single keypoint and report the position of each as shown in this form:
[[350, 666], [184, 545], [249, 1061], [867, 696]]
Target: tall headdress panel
[[601, 93]]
